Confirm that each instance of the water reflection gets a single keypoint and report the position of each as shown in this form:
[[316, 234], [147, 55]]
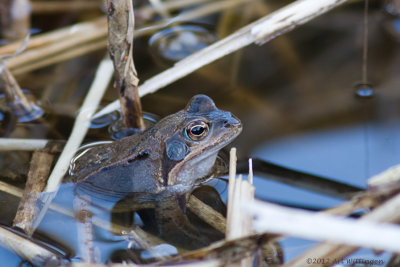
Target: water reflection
[[20, 110]]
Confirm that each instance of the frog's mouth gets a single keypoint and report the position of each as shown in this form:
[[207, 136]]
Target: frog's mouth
[[232, 128]]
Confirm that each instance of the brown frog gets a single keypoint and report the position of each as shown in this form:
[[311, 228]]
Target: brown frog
[[163, 162]]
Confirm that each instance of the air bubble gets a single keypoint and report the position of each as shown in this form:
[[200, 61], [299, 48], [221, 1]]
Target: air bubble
[[117, 130], [105, 120], [364, 90]]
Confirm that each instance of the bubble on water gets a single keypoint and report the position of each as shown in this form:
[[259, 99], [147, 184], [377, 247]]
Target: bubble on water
[[105, 120], [364, 90], [117, 130], [175, 43]]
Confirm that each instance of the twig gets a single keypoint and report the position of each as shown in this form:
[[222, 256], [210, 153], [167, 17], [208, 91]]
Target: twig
[[60, 34], [37, 177], [276, 219], [9, 189], [59, 41], [387, 212], [28, 250], [72, 41], [386, 178], [207, 214], [226, 251], [18, 103], [14, 19], [239, 224], [46, 7], [121, 23], [62, 56], [231, 188], [261, 31], [158, 6], [87, 27], [27, 144]]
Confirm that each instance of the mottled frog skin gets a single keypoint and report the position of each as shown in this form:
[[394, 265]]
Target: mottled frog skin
[[171, 157]]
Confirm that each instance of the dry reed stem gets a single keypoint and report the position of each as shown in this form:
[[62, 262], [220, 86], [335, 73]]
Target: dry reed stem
[[11, 190], [15, 98], [158, 6], [78, 39], [261, 31], [58, 35], [36, 181], [76, 36], [386, 178], [121, 24], [84, 27], [207, 214], [60, 57], [247, 195], [226, 251], [231, 188], [277, 219], [387, 212], [7, 144], [14, 19], [28, 250], [46, 7], [238, 224], [234, 222]]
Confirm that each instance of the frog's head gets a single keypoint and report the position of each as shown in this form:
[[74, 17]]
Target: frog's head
[[202, 131]]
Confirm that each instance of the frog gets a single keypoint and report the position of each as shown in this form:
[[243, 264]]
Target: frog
[[157, 167]]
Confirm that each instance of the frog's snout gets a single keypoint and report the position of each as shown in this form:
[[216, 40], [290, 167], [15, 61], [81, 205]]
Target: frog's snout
[[232, 122]]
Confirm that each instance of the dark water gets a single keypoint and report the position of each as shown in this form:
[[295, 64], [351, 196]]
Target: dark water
[[298, 97]]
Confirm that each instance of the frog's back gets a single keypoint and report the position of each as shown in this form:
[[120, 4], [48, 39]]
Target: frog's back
[[117, 169]]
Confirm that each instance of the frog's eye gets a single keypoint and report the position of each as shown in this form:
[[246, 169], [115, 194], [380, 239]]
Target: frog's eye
[[197, 130]]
